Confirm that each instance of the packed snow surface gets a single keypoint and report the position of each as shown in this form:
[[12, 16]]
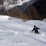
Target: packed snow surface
[[15, 32]]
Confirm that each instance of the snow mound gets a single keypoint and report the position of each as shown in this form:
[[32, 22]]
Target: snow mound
[[3, 18]]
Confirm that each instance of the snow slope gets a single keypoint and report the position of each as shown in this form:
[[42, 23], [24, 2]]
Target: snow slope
[[15, 32]]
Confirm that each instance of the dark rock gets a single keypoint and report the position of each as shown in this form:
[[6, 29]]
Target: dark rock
[[40, 6]]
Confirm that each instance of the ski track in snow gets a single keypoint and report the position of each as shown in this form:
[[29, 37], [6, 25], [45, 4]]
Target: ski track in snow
[[15, 32]]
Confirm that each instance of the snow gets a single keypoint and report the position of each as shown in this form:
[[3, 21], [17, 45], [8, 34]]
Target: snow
[[15, 32]]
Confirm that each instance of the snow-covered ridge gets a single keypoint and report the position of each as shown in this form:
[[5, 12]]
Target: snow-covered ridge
[[12, 3], [8, 4]]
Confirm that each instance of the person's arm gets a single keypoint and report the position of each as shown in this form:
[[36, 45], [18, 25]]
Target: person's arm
[[33, 30], [38, 28]]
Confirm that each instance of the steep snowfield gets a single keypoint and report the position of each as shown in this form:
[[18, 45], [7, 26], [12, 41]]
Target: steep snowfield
[[15, 32]]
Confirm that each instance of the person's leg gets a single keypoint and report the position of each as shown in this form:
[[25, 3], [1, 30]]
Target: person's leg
[[37, 32]]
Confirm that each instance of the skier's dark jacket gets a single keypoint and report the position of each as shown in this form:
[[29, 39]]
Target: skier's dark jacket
[[36, 29]]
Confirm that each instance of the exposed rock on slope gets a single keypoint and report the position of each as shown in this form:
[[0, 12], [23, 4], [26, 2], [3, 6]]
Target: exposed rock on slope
[[1, 2]]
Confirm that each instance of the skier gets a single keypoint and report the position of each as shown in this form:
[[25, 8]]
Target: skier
[[35, 29]]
